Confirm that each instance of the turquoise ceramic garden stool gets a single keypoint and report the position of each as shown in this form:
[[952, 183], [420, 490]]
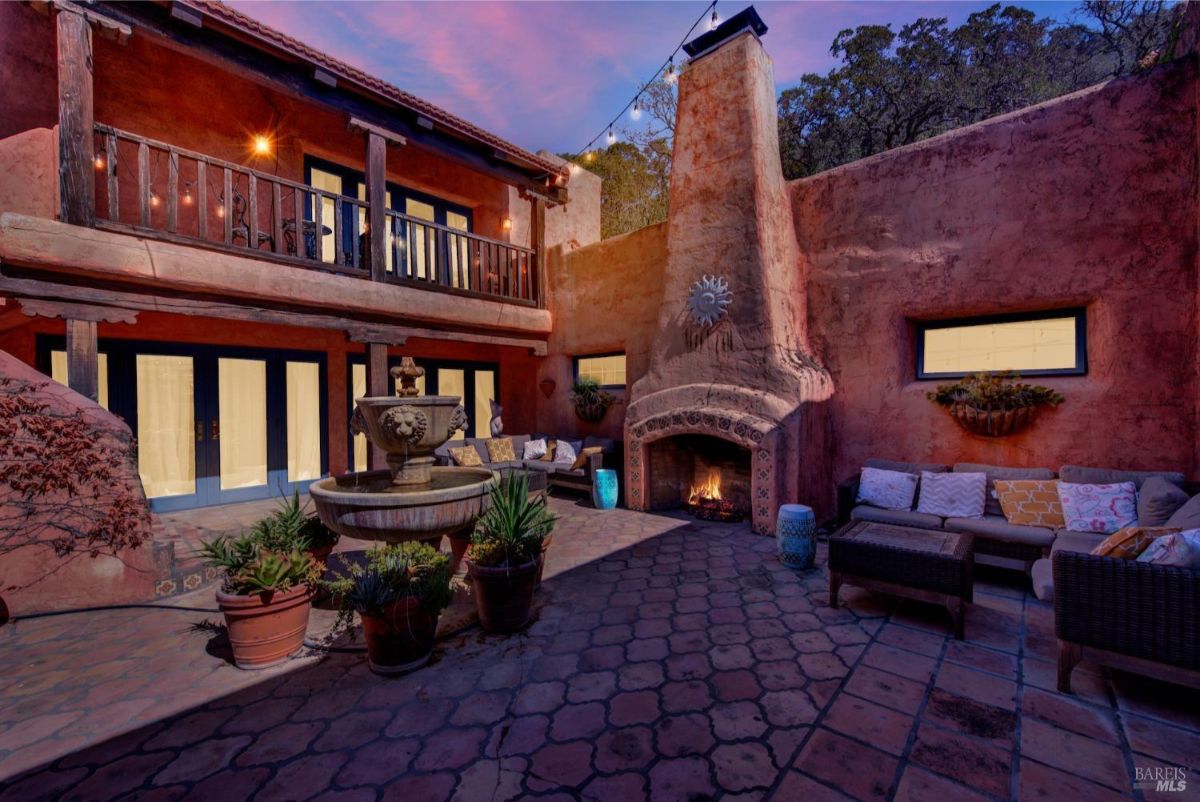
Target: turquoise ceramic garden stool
[[796, 535], [604, 489]]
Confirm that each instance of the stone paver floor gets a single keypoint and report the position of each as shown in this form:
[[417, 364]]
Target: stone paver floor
[[669, 660]]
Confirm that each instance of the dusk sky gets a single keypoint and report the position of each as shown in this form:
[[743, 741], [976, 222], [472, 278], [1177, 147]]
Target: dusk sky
[[552, 74]]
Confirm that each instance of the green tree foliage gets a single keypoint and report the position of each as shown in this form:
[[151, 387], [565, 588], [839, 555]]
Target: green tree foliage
[[636, 181], [894, 89]]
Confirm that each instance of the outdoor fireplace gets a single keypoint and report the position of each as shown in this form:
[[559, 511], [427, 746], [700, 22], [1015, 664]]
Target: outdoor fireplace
[[705, 475]]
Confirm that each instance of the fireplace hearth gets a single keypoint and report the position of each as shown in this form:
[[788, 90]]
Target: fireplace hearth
[[707, 476]]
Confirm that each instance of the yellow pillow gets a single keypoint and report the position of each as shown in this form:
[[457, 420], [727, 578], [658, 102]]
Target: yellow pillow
[[585, 456], [466, 456], [500, 449], [1031, 502], [1128, 543], [551, 445]]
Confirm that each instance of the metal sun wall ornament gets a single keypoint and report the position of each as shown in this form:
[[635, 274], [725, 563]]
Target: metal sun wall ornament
[[708, 299]]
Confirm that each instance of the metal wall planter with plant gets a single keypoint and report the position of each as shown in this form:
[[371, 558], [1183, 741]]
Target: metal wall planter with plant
[[994, 404], [590, 402]]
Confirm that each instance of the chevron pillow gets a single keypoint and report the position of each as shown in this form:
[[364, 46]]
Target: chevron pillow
[[953, 495]]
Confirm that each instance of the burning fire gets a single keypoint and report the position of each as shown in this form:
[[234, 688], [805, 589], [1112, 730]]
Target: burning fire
[[708, 490]]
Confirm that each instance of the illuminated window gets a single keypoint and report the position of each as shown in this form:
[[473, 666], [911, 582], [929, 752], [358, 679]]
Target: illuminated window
[[1043, 343], [608, 370]]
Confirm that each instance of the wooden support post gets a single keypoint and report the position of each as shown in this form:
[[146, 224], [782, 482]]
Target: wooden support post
[[83, 371], [76, 142], [537, 241], [378, 383], [376, 162]]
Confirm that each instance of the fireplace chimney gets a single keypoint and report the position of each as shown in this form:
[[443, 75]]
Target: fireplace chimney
[[730, 357]]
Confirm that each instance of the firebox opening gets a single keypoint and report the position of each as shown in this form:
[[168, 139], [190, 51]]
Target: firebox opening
[[707, 476]]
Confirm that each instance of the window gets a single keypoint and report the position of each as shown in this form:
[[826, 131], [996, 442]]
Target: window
[[1033, 344], [58, 372], [608, 370]]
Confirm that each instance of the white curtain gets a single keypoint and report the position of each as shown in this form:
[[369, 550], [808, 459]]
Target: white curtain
[[358, 389], [242, 398], [485, 391], [303, 421], [451, 381], [166, 425]]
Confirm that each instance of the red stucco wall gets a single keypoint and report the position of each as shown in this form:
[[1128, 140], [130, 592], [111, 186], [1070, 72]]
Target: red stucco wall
[[1088, 200]]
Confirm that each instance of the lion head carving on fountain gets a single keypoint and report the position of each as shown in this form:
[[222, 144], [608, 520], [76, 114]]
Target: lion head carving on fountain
[[405, 423]]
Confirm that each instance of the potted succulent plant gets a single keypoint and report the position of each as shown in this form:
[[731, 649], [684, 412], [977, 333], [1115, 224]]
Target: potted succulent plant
[[399, 594], [266, 597], [292, 525], [994, 404], [590, 402], [506, 554]]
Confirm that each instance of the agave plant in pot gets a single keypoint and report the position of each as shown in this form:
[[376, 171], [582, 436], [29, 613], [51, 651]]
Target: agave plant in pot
[[293, 525], [399, 594], [266, 597], [505, 556]]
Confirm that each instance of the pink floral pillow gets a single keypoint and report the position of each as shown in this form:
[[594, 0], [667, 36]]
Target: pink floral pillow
[[1098, 508], [1181, 549]]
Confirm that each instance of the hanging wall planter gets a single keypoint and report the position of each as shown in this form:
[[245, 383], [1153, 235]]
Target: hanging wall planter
[[994, 404], [590, 402]]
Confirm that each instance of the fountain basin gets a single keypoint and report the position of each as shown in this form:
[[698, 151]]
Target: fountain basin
[[368, 506]]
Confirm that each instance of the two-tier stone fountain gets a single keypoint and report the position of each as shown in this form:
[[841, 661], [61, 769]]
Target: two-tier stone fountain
[[413, 499]]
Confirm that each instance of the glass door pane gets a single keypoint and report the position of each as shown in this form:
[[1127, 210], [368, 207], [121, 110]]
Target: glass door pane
[[452, 381], [166, 417], [242, 422], [459, 274], [422, 242], [303, 421], [326, 209], [58, 372], [485, 393]]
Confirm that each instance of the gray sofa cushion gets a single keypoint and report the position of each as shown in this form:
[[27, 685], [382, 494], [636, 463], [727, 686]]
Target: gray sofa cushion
[[1068, 540], [1042, 576], [1042, 572], [1187, 516], [995, 527], [906, 467], [519, 441], [1158, 500], [994, 472], [865, 512], [539, 465], [607, 444], [1080, 475]]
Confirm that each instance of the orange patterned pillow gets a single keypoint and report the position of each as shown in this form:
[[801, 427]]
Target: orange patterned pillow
[[1128, 543], [1032, 502], [500, 449], [465, 457]]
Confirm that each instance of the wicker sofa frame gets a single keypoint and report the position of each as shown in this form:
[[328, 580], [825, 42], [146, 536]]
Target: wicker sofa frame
[[1127, 615]]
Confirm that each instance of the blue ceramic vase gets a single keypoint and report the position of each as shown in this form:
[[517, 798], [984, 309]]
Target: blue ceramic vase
[[796, 536], [604, 489]]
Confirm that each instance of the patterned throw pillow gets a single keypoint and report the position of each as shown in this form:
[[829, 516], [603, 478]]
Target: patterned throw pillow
[[564, 452], [1030, 502], [1098, 508], [890, 490], [1181, 549], [500, 449], [466, 457], [534, 449], [585, 456], [953, 495], [1128, 543]]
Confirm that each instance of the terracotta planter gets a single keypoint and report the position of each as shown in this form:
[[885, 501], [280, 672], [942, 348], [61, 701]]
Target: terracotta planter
[[993, 423], [545, 548], [504, 596], [266, 629], [401, 639], [322, 553]]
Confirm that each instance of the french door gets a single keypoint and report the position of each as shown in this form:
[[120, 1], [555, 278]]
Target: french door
[[476, 383], [214, 424]]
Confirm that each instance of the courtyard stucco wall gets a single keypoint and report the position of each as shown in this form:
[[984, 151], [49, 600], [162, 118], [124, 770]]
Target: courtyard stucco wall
[[1088, 200]]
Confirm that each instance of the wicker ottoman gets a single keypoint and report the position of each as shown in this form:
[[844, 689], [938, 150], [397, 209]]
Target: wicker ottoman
[[928, 565]]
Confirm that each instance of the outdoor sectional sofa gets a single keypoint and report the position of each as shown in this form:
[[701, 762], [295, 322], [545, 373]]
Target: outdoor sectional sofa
[[557, 474]]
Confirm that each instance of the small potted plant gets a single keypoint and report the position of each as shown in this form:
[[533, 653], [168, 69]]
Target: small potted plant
[[266, 597], [293, 526], [506, 554], [399, 594], [994, 404], [590, 402]]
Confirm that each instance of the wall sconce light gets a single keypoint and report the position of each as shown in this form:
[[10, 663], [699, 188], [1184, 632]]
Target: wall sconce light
[[99, 162], [262, 145], [506, 224]]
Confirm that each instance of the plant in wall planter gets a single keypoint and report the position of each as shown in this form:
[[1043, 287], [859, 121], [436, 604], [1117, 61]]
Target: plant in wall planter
[[994, 404], [506, 554], [266, 597], [590, 402], [398, 594]]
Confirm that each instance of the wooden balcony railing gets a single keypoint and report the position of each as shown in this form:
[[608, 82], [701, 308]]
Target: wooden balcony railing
[[158, 190], [425, 253]]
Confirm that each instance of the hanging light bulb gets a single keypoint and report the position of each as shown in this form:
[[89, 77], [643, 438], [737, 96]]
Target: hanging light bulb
[[671, 76], [221, 211], [611, 138], [99, 162], [636, 111], [154, 201], [187, 195], [589, 157], [714, 20]]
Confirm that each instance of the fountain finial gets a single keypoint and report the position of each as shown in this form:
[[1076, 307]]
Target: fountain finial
[[407, 372]]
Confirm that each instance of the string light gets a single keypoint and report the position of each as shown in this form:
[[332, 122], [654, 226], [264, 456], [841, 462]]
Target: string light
[[99, 162], [187, 193], [666, 71], [154, 201]]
